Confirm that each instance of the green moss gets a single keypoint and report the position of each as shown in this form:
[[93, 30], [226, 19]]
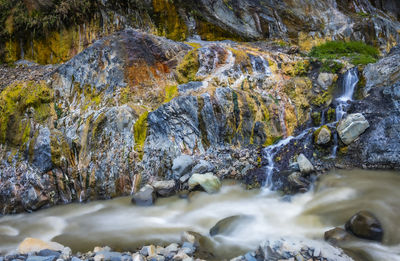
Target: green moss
[[170, 93], [187, 69], [330, 66], [140, 133], [316, 118], [14, 102], [331, 115], [322, 100], [357, 52], [272, 140]]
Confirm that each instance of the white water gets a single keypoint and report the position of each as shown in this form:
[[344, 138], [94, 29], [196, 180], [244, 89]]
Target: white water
[[349, 85], [122, 226]]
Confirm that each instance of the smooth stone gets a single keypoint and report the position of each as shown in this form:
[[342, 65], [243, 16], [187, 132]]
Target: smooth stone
[[304, 164], [180, 256], [145, 196], [109, 256], [336, 236], [188, 248], [208, 182], [182, 165], [164, 188], [148, 250], [365, 225], [35, 245], [325, 80], [156, 258], [249, 257], [351, 127], [75, 259]]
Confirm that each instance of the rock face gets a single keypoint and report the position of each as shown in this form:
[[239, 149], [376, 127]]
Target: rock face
[[385, 72], [352, 127], [365, 225], [208, 182]]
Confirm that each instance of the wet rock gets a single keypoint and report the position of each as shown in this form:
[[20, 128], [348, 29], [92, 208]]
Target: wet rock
[[48, 252], [156, 258], [188, 248], [208, 182], [304, 164], [365, 225], [203, 167], [352, 127], [35, 245], [297, 181], [78, 259], [182, 165], [41, 258], [164, 188], [336, 236], [42, 151], [145, 196], [325, 80], [227, 225], [322, 136]]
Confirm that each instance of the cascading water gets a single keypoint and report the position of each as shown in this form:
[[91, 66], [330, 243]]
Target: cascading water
[[349, 85]]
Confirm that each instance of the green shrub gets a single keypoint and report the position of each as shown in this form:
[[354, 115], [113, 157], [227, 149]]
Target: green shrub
[[330, 66], [357, 52]]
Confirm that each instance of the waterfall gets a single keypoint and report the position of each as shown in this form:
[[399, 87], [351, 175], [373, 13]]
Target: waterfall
[[350, 81]]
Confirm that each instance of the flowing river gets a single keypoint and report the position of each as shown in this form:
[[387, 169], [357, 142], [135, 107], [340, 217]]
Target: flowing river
[[123, 226]]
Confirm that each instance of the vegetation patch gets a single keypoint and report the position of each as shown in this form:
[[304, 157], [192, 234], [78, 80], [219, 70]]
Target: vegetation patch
[[188, 68], [170, 93], [140, 132], [359, 53]]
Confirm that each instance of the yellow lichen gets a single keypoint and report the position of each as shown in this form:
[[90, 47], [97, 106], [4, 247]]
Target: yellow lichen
[[140, 133], [187, 69], [170, 93]]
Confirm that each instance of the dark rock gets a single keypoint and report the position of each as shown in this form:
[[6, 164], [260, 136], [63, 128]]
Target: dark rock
[[203, 167], [227, 225], [145, 197], [164, 188], [182, 165], [365, 225]]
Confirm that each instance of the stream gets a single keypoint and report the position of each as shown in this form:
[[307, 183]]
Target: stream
[[119, 224]]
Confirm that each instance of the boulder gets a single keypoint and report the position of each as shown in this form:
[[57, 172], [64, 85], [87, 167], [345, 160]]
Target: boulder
[[304, 164], [322, 136], [35, 245], [325, 80], [138, 257], [351, 127], [181, 166], [145, 196], [365, 225], [208, 182], [336, 236], [203, 167], [148, 250], [164, 188]]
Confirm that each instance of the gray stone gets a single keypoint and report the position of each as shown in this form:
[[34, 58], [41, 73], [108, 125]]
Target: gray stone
[[324, 136], [365, 225], [108, 256], [156, 258], [190, 86], [203, 167], [250, 257], [304, 164], [182, 165], [351, 127], [138, 257], [48, 252], [208, 182], [75, 259], [188, 248], [325, 80], [145, 196], [42, 151], [164, 188], [148, 250]]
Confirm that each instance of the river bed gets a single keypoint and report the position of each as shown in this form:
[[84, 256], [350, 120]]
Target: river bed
[[119, 224]]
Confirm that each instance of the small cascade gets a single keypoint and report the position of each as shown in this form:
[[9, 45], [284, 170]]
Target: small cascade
[[270, 152], [349, 85]]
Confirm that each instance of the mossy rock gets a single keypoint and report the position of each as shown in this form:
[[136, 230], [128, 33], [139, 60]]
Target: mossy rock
[[19, 103], [140, 133], [188, 68], [326, 137]]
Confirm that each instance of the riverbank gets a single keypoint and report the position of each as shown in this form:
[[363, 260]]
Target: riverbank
[[267, 215]]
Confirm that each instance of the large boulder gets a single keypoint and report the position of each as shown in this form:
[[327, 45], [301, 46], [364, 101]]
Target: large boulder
[[164, 188], [35, 245], [208, 182], [325, 80], [304, 164], [322, 136], [365, 225], [351, 127], [182, 165]]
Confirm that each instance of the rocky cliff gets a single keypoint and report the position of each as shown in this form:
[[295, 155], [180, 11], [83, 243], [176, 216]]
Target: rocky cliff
[[118, 114]]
